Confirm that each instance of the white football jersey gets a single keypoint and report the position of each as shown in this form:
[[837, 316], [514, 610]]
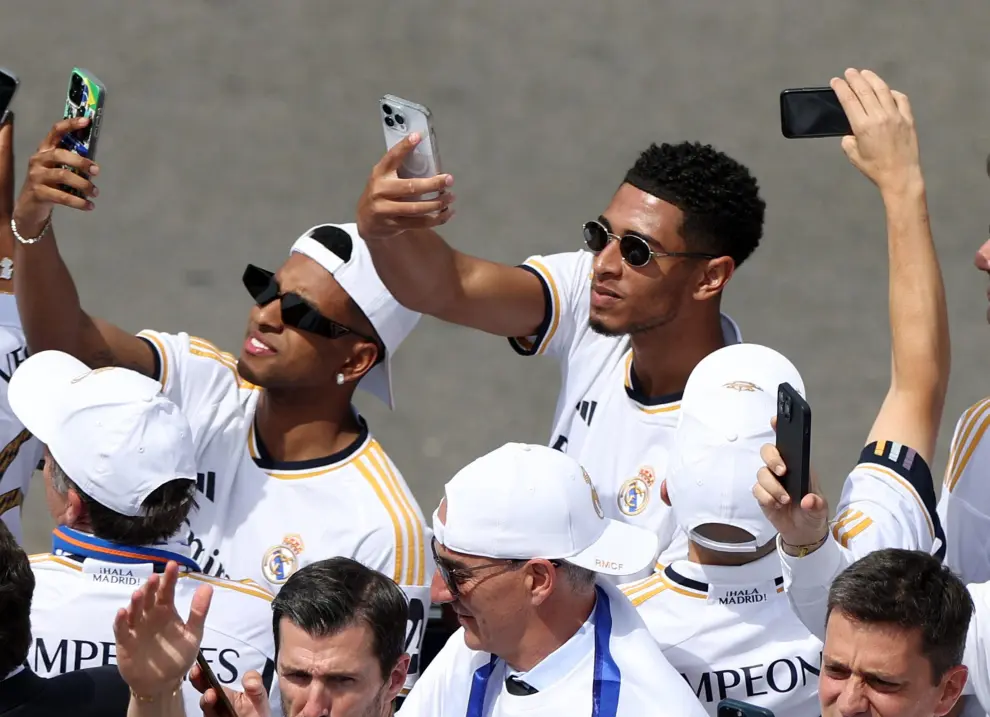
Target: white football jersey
[[263, 519], [888, 501], [964, 506], [85, 581], [729, 631], [602, 419], [19, 450], [621, 673]]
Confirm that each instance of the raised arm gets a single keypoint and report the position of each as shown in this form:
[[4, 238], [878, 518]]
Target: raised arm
[[885, 149], [426, 274], [47, 299]]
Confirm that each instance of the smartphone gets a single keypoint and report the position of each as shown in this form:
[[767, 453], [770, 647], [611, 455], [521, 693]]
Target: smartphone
[[8, 86], [812, 112], [223, 703], [735, 708], [794, 440], [400, 118], [86, 97]]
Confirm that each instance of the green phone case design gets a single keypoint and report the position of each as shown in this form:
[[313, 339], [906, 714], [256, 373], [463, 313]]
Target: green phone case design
[[85, 97]]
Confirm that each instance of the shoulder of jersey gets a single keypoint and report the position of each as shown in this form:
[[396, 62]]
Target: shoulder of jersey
[[229, 589], [968, 446]]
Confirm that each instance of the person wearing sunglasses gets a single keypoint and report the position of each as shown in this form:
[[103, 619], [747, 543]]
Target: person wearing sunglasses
[[627, 310], [288, 471], [521, 543]]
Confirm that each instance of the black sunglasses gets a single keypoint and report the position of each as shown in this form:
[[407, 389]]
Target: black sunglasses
[[296, 312], [453, 577], [634, 249]]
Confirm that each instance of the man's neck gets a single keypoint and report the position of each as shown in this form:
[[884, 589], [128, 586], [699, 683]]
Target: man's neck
[[305, 425], [665, 356], [553, 625]]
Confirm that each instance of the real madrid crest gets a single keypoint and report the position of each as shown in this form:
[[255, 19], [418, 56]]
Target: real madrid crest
[[280, 561], [594, 495], [634, 495]]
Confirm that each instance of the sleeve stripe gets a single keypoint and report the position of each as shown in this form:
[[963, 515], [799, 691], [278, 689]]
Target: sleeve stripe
[[975, 415], [537, 344], [854, 531], [632, 589], [416, 569], [639, 600], [849, 518], [162, 356], [229, 585], [400, 548], [910, 489]]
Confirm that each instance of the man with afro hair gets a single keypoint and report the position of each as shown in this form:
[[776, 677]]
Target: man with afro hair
[[627, 316]]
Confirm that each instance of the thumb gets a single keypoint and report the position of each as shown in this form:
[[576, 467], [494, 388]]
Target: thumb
[[394, 158], [851, 147], [814, 505], [254, 688]]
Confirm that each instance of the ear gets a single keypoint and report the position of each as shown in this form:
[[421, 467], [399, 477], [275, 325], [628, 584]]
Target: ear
[[716, 275], [953, 682], [664, 496], [75, 509], [397, 679], [540, 580], [361, 360]]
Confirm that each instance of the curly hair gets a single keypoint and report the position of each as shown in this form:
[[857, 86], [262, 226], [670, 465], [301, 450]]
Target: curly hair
[[720, 199]]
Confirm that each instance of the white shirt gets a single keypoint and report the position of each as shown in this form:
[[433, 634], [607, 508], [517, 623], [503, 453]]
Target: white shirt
[[78, 593], [263, 519], [632, 665], [19, 450], [602, 419], [964, 506], [729, 631]]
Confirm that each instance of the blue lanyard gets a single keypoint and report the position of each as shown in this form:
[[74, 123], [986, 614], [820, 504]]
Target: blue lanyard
[[72, 542], [607, 681]]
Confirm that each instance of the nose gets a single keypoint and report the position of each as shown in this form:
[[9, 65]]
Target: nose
[[608, 262], [982, 260], [439, 592], [269, 315], [852, 702], [318, 702]]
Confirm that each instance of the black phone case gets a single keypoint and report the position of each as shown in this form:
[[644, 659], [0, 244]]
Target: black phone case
[[812, 112], [735, 708], [794, 440]]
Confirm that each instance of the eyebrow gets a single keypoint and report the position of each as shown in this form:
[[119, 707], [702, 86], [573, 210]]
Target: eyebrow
[[290, 670], [888, 679]]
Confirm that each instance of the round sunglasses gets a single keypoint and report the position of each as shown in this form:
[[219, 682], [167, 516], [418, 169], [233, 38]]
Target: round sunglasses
[[634, 249]]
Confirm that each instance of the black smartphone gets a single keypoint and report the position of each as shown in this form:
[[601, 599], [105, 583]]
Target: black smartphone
[[8, 86], [812, 112], [794, 440], [735, 708], [224, 708]]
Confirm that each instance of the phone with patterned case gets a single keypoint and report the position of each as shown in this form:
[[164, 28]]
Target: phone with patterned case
[[86, 97]]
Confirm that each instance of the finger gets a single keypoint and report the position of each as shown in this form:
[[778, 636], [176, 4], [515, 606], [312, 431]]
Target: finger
[[166, 588], [765, 499], [851, 147], [772, 460], [57, 196], [903, 105], [772, 485], [60, 129], [394, 158], [850, 102], [881, 91], [197, 679], [814, 504], [198, 610], [397, 188], [412, 209], [7, 143], [865, 93], [58, 156], [773, 424], [149, 591], [254, 688], [56, 176], [121, 624]]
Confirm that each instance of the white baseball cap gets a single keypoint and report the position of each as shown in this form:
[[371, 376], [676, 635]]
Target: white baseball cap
[[521, 502], [341, 251], [724, 420], [110, 429]]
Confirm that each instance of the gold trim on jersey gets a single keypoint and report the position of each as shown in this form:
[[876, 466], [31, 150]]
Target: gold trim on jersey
[[416, 569], [975, 415], [652, 410], [849, 524], [642, 590], [49, 558], [280, 474], [162, 355], [555, 294], [202, 347]]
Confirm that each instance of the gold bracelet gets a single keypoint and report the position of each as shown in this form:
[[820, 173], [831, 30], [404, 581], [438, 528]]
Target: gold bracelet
[[803, 550], [175, 692]]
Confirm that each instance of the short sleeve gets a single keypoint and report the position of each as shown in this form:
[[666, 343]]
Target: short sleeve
[[964, 506], [199, 378], [566, 281], [888, 501]]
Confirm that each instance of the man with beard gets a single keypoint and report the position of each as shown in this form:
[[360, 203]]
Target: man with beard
[[627, 318]]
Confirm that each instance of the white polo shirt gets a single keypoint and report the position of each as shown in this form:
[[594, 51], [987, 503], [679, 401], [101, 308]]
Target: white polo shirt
[[82, 584], [19, 450], [610, 667], [263, 519], [729, 631], [603, 419]]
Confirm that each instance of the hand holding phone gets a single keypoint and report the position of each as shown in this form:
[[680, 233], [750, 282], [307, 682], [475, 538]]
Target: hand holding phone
[[794, 441], [809, 112], [399, 119], [223, 706], [86, 97]]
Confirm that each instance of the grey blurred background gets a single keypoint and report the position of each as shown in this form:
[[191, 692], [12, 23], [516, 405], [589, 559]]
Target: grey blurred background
[[230, 128]]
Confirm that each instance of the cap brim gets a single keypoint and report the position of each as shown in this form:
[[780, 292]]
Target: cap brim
[[36, 389], [622, 549]]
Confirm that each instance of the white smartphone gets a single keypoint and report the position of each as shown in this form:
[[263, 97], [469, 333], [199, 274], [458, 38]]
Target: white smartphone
[[400, 118]]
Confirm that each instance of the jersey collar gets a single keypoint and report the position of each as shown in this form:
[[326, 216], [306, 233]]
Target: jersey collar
[[559, 663], [78, 545], [634, 389], [703, 579]]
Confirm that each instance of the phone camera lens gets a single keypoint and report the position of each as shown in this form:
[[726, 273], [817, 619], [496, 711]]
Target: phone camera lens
[[387, 109], [76, 89], [389, 122], [400, 119]]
